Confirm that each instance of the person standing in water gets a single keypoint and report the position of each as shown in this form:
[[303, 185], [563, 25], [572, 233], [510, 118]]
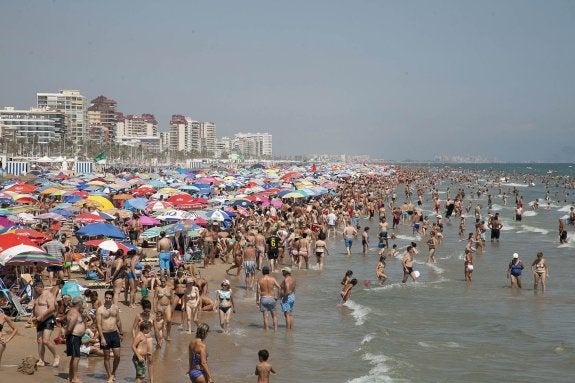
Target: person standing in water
[[514, 271], [540, 271]]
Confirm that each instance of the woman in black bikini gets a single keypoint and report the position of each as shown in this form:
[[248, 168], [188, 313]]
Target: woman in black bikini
[[225, 305]]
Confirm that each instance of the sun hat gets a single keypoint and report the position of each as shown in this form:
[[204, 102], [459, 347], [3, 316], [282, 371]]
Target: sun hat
[[287, 269]]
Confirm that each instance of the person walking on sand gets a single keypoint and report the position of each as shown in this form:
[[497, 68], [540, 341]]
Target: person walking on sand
[[287, 294], [263, 368], [75, 328], [43, 314], [540, 271], [165, 249], [110, 330], [267, 293]]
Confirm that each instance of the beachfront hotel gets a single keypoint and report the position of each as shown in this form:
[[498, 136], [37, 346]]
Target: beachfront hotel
[[191, 136], [102, 120]]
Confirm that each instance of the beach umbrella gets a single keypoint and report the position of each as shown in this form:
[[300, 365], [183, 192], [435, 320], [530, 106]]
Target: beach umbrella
[[136, 204], [10, 240], [33, 235], [189, 188], [238, 210], [218, 215], [104, 204], [122, 197], [5, 222], [148, 221], [143, 191], [294, 194], [39, 258], [158, 206], [62, 212], [175, 215], [152, 232], [242, 203], [51, 216], [105, 229], [185, 225], [18, 249], [89, 218], [80, 193], [110, 245], [22, 188]]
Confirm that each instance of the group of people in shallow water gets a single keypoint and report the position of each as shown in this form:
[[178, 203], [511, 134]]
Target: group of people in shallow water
[[267, 240]]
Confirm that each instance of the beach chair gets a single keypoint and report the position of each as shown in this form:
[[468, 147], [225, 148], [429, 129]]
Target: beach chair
[[19, 310]]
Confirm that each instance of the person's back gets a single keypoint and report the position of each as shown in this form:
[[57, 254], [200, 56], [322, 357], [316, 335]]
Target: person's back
[[263, 368]]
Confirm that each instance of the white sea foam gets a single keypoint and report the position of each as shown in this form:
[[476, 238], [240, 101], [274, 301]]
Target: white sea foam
[[408, 238], [359, 312], [452, 344], [424, 344], [513, 184], [435, 268], [531, 229], [496, 207], [378, 373], [565, 209], [367, 338], [529, 213]]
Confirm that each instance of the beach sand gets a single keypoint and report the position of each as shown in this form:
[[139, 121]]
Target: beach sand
[[92, 368]]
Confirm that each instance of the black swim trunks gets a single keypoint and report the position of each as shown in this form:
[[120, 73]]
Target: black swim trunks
[[73, 343], [112, 340], [47, 324]]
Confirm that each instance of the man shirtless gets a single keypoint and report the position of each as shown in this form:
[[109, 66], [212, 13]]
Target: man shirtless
[[267, 293], [287, 294], [165, 249], [407, 263], [250, 265], [260, 248], [110, 329], [43, 314], [349, 232], [75, 328]]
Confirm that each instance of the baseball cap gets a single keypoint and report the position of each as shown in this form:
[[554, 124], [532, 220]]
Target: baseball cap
[[515, 255]]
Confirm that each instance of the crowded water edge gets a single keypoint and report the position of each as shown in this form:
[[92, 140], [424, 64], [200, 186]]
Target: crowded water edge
[[289, 272]]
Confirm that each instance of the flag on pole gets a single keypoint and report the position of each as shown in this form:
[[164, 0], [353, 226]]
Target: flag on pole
[[100, 158]]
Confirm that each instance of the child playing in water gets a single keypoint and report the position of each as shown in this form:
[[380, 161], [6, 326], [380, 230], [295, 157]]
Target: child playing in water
[[380, 270], [346, 277], [346, 291], [263, 368], [394, 251]]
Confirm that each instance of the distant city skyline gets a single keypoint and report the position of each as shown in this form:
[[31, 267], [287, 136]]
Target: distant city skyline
[[391, 79]]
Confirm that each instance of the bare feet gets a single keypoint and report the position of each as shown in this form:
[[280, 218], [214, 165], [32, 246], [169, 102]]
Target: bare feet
[[56, 361]]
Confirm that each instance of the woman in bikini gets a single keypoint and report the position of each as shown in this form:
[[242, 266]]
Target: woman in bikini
[[198, 357], [225, 304], [179, 290], [163, 303], [540, 271], [5, 320], [192, 304]]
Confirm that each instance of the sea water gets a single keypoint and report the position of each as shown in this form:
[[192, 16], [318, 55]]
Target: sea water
[[440, 329]]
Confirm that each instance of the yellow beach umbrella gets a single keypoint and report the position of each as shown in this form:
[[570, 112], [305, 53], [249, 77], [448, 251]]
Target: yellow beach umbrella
[[103, 202]]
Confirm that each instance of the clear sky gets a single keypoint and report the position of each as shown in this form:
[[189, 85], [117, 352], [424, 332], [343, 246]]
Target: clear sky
[[392, 79]]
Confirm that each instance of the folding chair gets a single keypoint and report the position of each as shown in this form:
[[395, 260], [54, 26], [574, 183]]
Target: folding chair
[[21, 312]]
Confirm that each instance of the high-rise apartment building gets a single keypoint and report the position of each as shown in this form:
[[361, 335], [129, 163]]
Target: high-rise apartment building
[[192, 136], [253, 145], [73, 105], [34, 126], [102, 120], [138, 130]]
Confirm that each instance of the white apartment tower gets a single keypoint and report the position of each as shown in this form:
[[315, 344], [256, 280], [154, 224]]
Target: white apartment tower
[[192, 136], [253, 145], [73, 105]]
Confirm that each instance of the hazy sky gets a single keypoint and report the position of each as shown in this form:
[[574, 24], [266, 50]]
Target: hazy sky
[[392, 79]]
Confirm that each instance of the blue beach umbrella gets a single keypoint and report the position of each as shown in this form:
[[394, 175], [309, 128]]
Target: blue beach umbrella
[[105, 229]]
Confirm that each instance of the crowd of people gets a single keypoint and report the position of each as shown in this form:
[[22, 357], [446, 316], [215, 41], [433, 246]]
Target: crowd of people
[[260, 243]]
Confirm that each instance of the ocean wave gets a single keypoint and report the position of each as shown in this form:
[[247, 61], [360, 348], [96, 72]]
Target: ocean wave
[[367, 338], [409, 238], [435, 268], [496, 207], [529, 213], [378, 373], [531, 229], [516, 185], [358, 312], [566, 208]]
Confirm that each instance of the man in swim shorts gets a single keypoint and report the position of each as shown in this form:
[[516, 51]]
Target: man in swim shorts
[[164, 248], [287, 294], [267, 292]]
